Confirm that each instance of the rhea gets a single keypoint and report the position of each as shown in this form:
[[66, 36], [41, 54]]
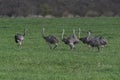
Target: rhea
[[94, 41], [50, 39], [98, 41], [86, 39], [71, 40], [20, 37]]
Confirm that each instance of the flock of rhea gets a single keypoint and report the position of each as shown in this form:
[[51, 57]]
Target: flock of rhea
[[71, 40]]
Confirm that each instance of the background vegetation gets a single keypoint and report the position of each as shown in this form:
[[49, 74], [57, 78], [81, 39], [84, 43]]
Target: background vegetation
[[35, 61], [67, 8]]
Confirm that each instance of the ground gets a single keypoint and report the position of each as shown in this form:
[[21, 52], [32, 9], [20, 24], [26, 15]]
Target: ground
[[35, 61]]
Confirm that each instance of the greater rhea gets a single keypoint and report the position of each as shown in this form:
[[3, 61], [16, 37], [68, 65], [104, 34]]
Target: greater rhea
[[50, 39], [94, 41], [20, 37], [86, 39], [71, 40], [98, 41]]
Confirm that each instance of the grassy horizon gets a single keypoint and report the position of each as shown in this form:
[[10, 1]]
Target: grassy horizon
[[35, 61]]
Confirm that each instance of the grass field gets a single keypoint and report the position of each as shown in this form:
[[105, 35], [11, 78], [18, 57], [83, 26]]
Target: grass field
[[35, 61]]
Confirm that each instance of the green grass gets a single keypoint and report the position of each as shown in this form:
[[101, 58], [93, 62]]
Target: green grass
[[35, 61]]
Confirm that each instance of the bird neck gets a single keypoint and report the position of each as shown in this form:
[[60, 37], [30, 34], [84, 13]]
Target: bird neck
[[24, 33], [73, 31], [79, 33], [89, 33], [43, 34], [62, 34]]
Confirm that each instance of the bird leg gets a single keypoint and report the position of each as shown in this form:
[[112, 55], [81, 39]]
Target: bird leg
[[102, 46], [49, 45], [98, 48], [19, 46], [55, 46], [19, 43], [72, 46]]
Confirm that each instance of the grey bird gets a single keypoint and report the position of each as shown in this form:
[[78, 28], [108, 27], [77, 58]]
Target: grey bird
[[20, 37], [50, 39], [98, 41], [94, 41], [70, 40], [87, 39]]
